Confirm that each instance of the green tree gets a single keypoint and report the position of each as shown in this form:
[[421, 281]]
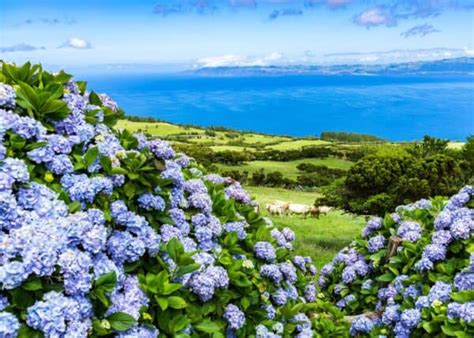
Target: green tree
[[467, 154]]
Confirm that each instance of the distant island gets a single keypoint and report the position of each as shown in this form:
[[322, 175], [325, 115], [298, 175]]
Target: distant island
[[455, 66]]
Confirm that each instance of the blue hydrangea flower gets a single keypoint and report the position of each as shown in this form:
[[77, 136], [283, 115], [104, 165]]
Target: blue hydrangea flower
[[434, 252], [376, 243], [151, 202], [372, 225], [271, 271], [440, 291], [361, 324], [410, 318], [237, 227], [310, 293], [238, 194], [7, 96], [280, 297], [128, 298], [410, 231], [265, 251], [464, 281], [391, 314], [161, 149], [9, 325], [234, 317]]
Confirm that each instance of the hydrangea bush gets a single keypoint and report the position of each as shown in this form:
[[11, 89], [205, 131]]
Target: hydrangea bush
[[410, 274], [108, 233]]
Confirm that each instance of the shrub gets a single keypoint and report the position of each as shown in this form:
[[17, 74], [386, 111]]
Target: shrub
[[108, 233], [399, 179], [339, 136], [410, 274]]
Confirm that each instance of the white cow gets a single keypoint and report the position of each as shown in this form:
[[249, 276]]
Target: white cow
[[299, 209], [277, 208], [323, 209]]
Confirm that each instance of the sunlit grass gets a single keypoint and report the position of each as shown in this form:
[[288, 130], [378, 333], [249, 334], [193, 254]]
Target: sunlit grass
[[319, 238], [288, 169]]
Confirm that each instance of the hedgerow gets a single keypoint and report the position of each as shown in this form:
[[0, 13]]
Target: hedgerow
[[410, 274], [108, 233]]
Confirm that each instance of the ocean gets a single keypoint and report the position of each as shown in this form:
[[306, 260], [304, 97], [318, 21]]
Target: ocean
[[398, 108]]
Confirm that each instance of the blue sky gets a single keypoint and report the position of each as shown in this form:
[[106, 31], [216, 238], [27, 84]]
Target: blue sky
[[194, 33]]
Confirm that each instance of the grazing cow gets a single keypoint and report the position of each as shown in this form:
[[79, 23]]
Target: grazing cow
[[323, 209], [277, 208], [314, 211], [299, 209], [317, 211]]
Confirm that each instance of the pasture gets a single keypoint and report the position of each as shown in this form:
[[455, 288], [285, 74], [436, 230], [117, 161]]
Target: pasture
[[319, 238], [288, 169]]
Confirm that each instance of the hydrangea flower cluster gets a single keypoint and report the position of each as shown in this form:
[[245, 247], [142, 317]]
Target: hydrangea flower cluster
[[102, 229], [420, 270]]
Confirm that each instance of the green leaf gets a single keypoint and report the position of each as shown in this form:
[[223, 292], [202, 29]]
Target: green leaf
[[174, 249], [177, 302], [99, 294], [156, 283], [178, 323], [55, 109], [207, 326], [33, 285], [27, 332], [182, 270], [170, 288], [91, 155], [121, 321], [107, 281], [162, 302], [463, 296], [106, 164], [119, 171], [95, 99], [82, 86], [239, 279], [448, 330], [101, 327], [388, 277], [74, 206]]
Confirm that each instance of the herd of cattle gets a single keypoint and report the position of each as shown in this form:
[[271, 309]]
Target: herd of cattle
[[287, 208]]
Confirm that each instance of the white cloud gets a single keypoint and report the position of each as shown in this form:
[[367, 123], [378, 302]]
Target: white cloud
[[76, 43], [374, 17], [20, 47], [233, 60], [468, 51]]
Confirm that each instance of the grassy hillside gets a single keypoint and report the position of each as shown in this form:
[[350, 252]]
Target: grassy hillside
[[219, 140], [288, 169], [319, 238]]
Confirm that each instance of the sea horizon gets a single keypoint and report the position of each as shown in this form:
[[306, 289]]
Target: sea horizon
[[393, 107]]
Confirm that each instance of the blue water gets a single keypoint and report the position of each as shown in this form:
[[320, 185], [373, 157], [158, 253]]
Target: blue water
[[393, 107]]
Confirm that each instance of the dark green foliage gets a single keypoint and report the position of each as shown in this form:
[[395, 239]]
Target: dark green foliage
[[318, 175], [338, 136], [467, 154], [377, 184]]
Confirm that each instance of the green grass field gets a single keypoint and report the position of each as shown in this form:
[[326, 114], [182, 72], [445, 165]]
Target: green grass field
[[319, 238], [221, 140], [296, 144], [288, 169], [162, 129]]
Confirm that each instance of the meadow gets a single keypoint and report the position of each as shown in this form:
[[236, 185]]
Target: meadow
[[319, 238]]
